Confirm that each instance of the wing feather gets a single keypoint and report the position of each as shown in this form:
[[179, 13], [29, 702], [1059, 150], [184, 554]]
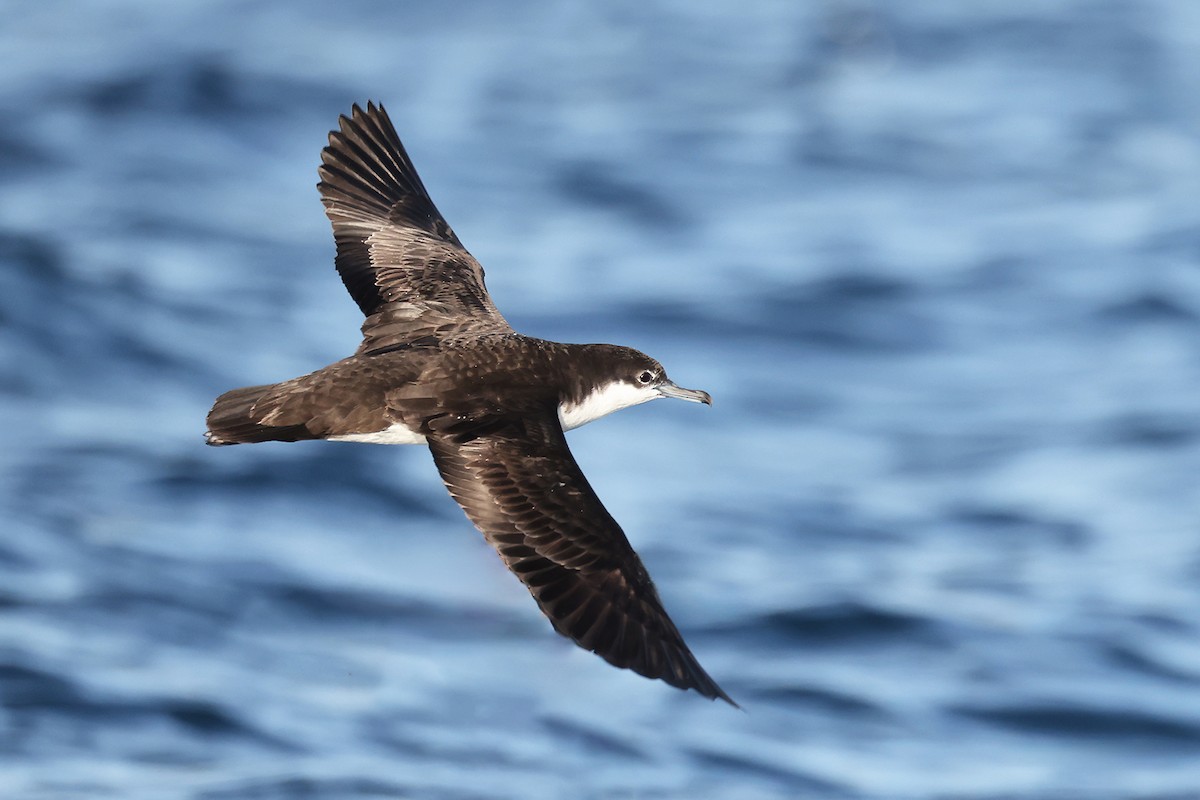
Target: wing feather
[[523, 489], [397, 256]]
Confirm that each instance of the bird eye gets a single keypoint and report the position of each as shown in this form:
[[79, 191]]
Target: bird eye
[[645, 377]]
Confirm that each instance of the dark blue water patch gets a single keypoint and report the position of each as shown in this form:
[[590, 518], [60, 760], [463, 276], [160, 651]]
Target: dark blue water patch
[[1165, 623], [161, 598], [167, 601], [840, 35], [995, 273], [53, 483], [13, 559], [85, 789], [340, 608], [151, 356], [26, 687], [1056, 719], [349, 476], [859, 287], [661, 314], [663, 318], [196, 606], [816, 700], [206, 719], [36, 279], [322, 789], [33, 268], [802, 405], [32, 695], [588, 738], [1147, 308], [818, 522], [32, 281], [825, 149], [1109, 40], [1128, 656], [20, 154], [1118, 60], [202, 86], [847, 314], [193, 615], [1018, 524], [602, 187], [851, 312], [61, 330], [840, 625], [171, 224], [1148, 430], [1181, 241]]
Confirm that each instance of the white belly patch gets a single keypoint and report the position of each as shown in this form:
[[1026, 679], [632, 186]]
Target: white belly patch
[[398, 433]]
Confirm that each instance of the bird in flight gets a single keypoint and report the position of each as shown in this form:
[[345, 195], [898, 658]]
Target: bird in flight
[[438, 365]]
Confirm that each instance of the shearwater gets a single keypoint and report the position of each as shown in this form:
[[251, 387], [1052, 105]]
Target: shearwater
[[439, 365]]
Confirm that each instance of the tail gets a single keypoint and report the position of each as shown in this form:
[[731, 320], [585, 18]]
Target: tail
[[233, 420]]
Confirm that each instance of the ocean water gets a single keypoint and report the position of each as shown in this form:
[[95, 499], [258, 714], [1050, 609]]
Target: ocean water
[[938, 263]]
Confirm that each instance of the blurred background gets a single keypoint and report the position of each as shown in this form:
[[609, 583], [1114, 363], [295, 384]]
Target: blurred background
[[937, 262]]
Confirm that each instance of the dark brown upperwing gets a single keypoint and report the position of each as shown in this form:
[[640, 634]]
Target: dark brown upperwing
[[398, 258], [521, 487]]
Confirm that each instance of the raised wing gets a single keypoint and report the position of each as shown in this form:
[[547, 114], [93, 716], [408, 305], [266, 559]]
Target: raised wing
[[398, 258], [521, 487]]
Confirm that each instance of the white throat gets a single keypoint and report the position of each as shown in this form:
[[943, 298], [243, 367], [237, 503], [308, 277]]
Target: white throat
[[609, 398]]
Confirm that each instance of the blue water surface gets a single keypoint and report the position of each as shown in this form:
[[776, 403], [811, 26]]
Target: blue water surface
[[937, 262]]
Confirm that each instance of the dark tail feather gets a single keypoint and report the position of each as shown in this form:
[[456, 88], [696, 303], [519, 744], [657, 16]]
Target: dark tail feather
[[231, 422]]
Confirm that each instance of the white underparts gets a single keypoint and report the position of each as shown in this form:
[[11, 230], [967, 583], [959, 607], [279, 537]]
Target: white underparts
[[398, 433], [612, 397]]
